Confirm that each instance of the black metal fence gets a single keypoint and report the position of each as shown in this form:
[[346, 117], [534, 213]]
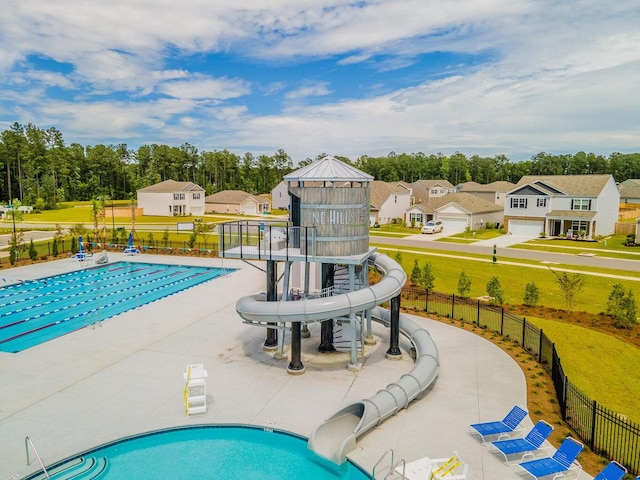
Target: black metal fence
[[605, 432]]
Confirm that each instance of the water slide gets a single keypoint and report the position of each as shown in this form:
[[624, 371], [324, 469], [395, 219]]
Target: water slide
[[337, 436], [255, 309]]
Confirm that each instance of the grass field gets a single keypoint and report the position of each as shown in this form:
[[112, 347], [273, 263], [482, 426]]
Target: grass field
[[513, 278], [601, 366]]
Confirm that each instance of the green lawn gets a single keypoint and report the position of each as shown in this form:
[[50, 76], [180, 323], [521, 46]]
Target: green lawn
[[513, 278], [592, 359]]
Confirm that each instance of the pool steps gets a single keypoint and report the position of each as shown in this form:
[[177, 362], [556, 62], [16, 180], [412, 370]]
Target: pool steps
[[84, 468]]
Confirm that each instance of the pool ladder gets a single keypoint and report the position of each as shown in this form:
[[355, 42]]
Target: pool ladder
[[392, 473], [27, 442]]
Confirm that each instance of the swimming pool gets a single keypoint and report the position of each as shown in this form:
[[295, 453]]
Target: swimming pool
[[36, 311], [204, 452]]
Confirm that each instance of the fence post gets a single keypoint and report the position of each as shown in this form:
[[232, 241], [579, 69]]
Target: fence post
[[540, 346], [478, 315], [502, 322], [453, 304], [426, 300], [524, 331], [592, 442]]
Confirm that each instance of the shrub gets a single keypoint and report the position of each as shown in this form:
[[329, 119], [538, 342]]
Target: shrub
[[494, 290], [622, 306], [33, 253], [531, 294], [464, 284], [428, 278], [416, 274]]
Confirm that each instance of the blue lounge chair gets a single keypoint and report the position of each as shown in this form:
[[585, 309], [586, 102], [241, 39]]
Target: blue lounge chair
[[562, 461], [613, 471], [526, 446], [503, 427]]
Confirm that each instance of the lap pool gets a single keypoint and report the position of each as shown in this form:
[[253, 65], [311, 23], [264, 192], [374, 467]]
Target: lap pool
[[36, 311], [204, 452]]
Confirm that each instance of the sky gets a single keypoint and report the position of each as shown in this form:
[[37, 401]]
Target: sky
[[341, 77]]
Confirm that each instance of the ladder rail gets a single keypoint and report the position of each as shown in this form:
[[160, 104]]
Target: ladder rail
[[384, 455], [27, 442]]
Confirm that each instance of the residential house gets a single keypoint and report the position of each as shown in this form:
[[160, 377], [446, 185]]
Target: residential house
[[492, 192], [424, 190], [630, 191], [171, 198], [555, 205], [236, 202], [388, 201], [280, 196], [458, 211]]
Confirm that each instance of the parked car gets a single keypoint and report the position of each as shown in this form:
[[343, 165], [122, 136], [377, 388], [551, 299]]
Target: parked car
[[433, 226]]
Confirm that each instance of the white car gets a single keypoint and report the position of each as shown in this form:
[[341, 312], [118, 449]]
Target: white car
[[433, 226]]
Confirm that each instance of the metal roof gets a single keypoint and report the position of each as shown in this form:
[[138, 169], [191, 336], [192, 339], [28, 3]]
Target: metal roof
[[328, 169]]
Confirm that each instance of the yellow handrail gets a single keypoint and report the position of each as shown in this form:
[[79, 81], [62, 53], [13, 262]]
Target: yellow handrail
[[186, 392], [448, 466]]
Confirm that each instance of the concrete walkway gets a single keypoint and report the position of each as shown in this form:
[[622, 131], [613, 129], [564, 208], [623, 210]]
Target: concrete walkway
[[125, 377]]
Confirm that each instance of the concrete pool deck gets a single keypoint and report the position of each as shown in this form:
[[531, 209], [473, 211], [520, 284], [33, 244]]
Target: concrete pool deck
[[124, 377]]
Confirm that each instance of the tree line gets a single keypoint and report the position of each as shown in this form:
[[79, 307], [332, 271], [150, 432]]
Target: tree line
[[38, 168]]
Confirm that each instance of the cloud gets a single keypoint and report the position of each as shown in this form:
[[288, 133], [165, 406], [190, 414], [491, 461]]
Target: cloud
[[341, 76], [309, 89], [200, 87]]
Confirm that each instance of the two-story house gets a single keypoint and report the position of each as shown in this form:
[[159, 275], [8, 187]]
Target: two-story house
[[388, 200], [280, 196], [171, 198], [424, 190], [555, 205]]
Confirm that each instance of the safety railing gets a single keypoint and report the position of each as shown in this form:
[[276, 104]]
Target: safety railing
[[27, 442]]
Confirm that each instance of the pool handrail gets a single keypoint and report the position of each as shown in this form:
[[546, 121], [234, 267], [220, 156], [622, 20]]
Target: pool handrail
[[27, 442]]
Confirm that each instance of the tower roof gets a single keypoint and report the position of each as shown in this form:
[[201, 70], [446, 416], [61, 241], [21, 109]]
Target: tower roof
[[328, 169]]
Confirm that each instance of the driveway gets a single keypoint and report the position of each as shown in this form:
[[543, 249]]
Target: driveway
[[505, 241]]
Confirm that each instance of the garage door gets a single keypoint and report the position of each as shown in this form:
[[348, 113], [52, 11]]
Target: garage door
[[453, 225], [249, 210], [528, 228]]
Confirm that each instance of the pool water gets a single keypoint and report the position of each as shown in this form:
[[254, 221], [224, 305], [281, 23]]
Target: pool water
[[205, 452], [36, 311]]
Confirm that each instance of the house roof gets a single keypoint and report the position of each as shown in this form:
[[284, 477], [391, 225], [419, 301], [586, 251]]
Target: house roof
[[379, 191], [499, 186], [171, 186], [573, 185], [420, 188], [231, 197], [630, 192], [328, 169], [631, 182], [585, 214], [465, 201]]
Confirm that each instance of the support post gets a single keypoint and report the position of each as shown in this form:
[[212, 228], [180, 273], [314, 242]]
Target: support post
[[295, 365], [394, 351], [326, 327], [307, 267], [271, 342]]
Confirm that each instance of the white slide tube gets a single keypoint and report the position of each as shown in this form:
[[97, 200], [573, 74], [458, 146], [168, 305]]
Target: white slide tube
[[254, 308], [336, 437]]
